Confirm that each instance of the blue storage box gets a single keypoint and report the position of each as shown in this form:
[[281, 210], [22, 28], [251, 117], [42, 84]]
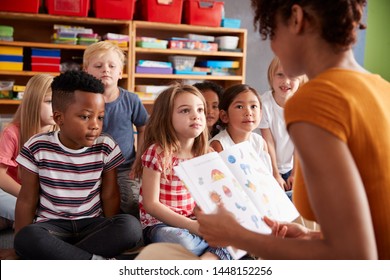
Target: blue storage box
[[46, 52], [219, 64], [231, 22]]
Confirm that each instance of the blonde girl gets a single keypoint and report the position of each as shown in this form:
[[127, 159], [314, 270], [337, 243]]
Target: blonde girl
[[33, 116], [272, 124], [175, 133]]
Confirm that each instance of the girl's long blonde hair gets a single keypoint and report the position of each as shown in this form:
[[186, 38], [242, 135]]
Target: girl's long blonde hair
[[159, 129], [28, 115]]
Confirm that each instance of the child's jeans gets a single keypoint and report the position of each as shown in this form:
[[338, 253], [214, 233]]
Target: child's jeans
[[193, 243], [78, 239], [285, 176], [7, 205]]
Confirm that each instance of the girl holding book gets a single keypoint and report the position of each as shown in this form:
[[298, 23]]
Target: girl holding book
[[175, 132]]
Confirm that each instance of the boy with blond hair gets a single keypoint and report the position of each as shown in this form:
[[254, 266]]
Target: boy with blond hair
[[123, 111]]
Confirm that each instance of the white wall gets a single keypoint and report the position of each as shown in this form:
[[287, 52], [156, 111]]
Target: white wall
[[259, 53]]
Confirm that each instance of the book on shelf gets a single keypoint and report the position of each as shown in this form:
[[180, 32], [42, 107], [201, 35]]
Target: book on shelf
[[240, 179]]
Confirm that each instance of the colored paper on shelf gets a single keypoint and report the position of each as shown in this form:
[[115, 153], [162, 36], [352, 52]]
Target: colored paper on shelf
[[11, 58], [153, 63], [46, 52], [11, 50], [11, 66], [117, 37]]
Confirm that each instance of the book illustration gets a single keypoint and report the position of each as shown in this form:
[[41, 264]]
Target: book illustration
[[217, 175], [231, 159], [241, 207], [215, 197], [250, 186], [246, 168], [227, 191], [239, 179], [255, 220]]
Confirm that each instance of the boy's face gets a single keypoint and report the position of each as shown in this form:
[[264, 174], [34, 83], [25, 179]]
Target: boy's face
[[82, 121], [106, 67]]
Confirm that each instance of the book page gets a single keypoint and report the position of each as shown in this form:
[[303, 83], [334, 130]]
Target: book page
[[210, 182], [258, 183]]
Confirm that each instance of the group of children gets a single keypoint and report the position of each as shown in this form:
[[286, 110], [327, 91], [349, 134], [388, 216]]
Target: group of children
[[79, 177]]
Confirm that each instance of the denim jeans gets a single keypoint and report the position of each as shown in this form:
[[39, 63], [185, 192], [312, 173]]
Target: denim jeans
[[7, 205], [192, 242], [285, 176], [78, 239]]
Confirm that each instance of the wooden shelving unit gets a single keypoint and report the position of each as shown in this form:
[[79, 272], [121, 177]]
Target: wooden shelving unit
[[35, 31]]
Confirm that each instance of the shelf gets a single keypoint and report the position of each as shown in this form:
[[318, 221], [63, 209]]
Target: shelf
[[188, 77], [33, 73], [35, 31], [188, 52], [65, 19], [46, 45], [185, 28], [165, 31], [9, 102]]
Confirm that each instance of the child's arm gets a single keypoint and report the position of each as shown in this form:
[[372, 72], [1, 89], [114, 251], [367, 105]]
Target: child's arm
[[27, 202], [7, 183], [110, 193], [152, 204], [269, 139]]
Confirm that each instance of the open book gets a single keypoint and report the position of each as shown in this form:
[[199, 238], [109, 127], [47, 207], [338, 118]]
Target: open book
[[240, 179]]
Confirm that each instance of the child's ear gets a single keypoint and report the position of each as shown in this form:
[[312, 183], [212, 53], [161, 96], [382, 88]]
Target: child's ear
[[58, 118], [223, 116]]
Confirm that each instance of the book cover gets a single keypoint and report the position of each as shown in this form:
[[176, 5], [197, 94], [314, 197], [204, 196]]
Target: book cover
[[239, 179]]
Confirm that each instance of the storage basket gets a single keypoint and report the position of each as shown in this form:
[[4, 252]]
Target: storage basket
[[21, 6], [114, 9], [182, 62], [203, 12], [168, 11]]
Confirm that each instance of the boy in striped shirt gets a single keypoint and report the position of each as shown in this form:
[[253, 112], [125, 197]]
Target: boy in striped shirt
[[68, 207]]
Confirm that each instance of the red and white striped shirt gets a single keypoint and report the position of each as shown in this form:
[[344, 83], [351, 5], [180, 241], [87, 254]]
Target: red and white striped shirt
[[173, 193]]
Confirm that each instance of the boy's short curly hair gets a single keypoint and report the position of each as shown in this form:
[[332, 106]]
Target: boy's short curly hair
[[64, 87], [338, 20]]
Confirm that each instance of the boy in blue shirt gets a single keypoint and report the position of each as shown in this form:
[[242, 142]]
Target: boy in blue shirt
[[124, 110]]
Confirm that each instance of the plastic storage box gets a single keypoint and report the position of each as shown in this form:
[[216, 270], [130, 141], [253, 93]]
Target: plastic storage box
[[21, 6], [114, 9], [168, 11], [78, 8], [227, 42], [230, 23], [182, 62], [203, 12]]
